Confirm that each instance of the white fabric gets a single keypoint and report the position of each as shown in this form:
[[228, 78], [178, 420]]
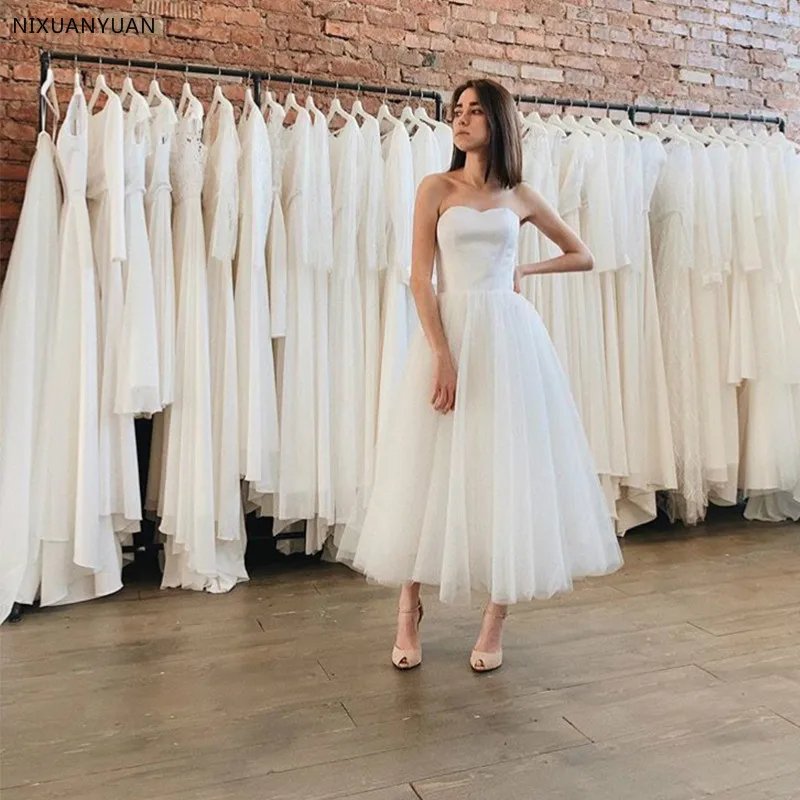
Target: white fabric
[[119, 471], [220, 203], [371, 243], [346, 321], [80, 555], [500, 495], [158, 204], [138, 388], [258, 403], [188, 499], [398, 315], [27, 306]]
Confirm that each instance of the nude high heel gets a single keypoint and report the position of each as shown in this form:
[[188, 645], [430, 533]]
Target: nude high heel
[[408, 659], [486, 662]]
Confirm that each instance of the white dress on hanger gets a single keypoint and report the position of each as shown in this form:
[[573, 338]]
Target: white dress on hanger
[[188, 501], [80, 556], [158, 207], [672, 220], [322, 254], [651, 460], [138, 388], [346, 322], [27, 305], [371, 259], [594, 299], [297, 493], [770, 432], [221, 217], [276, 234], [398, 314], [158, 204], [119, 469], [443, 134], [258, 404], [500, 495]]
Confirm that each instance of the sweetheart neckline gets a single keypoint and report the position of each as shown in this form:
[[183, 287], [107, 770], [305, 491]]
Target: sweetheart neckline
[[480, 210]]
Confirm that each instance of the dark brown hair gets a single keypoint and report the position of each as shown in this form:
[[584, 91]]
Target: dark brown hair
[[505, 147]]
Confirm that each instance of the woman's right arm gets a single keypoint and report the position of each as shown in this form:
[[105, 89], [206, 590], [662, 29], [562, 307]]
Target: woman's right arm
[[430, 194]]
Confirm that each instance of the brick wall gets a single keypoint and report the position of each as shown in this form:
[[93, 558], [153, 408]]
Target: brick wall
[[722, 54]]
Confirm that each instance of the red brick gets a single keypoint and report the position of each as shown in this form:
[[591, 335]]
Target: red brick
[[665, 26], [518, 20], [651, 10], [531, 38], [386, 35], [526, 56], [734, 23], [197, 31], [392, 19], [576, 62], [497, 33]]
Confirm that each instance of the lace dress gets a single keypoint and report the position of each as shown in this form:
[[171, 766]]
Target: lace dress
[[188, 502]]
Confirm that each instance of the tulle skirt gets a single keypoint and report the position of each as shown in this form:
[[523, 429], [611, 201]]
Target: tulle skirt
[[501, 495]]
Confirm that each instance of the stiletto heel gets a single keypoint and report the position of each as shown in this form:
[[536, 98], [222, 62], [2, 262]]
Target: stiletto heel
[[408, 659], [486, 662]]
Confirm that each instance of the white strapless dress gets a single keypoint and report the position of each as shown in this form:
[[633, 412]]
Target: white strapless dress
[[501, 495]]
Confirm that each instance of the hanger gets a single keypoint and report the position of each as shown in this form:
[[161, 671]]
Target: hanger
[[337, 109], [587, 121], [128, 89], [186, 94], [310, 105], [358, 110], [99, 86], [154, 94], [385, 114], [217, 97], [76, 79], [270, 106], [421, 113], [249, 102], [291, 104], [48, 92]]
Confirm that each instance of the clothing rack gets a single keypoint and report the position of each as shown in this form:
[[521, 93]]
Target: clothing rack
[[46, 58], [632, 109]]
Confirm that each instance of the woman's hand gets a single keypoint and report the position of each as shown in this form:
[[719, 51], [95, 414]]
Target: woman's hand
[[444, 384]]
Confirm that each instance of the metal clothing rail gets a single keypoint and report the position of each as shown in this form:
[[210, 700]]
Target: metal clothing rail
[[257, 77], [632, 109]]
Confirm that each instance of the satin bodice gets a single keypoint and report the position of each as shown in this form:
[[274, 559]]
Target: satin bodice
[[476, 250]]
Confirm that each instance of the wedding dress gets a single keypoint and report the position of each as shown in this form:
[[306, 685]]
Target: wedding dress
[[501, 494]]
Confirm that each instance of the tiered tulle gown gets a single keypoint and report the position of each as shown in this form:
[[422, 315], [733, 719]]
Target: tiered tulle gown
[[502, 493]]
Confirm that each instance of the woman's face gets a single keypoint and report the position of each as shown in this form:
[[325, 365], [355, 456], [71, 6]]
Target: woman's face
[[470, 125]]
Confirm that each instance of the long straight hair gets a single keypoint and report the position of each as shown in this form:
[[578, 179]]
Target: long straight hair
[[505, 144]]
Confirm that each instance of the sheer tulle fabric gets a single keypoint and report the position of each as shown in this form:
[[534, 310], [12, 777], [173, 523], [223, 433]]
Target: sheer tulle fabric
[[500, 495]]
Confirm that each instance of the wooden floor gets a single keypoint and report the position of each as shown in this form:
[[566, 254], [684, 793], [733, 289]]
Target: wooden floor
[[676, 679]]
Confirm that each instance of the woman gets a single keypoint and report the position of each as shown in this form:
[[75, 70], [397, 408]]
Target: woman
[[484, 479]]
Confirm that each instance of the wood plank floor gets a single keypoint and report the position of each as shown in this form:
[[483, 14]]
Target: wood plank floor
[[676, 679]]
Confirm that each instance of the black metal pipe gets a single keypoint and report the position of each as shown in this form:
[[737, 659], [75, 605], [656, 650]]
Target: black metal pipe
[[207, 69]]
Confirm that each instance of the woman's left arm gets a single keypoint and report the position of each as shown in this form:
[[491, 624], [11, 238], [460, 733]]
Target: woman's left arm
[[576, 258]]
